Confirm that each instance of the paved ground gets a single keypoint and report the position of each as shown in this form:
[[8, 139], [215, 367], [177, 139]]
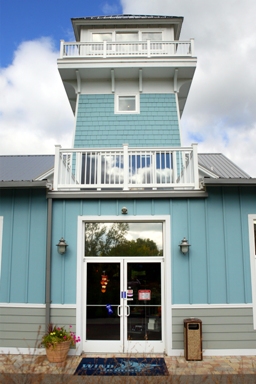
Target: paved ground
[[25, 369]]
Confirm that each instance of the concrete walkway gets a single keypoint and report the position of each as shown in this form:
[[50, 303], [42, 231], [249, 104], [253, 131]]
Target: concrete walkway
[[24, 369]]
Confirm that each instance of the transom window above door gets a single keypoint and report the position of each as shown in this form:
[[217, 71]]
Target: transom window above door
[[123, 239]]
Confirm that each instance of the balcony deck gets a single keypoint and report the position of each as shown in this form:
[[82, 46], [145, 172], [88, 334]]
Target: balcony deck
[[127, 49], [126, 169]]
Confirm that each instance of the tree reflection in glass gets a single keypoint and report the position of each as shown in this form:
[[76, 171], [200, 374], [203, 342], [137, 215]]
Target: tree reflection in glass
[[123, 239]]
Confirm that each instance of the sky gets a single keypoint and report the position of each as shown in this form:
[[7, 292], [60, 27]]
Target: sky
[[220, 114]]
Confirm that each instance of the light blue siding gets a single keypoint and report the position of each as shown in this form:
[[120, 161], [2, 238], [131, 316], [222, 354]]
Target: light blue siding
[[217, 269], [98, 126], [24, 246]]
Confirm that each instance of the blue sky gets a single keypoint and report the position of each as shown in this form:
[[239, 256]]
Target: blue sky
[[220, 112], [22, 20]]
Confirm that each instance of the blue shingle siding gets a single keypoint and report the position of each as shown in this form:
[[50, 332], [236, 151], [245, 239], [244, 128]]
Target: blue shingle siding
[[98, 126]]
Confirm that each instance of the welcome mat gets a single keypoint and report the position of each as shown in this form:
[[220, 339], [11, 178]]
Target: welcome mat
[[122, 367]]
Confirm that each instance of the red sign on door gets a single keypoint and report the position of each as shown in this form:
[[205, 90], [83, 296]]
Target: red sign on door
[[144, 294]]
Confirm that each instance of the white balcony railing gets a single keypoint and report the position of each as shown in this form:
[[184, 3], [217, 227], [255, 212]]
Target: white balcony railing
[[126, 168], [108, 49]]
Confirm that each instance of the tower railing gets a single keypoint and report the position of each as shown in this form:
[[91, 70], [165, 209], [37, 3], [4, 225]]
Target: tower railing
[[126, 168], [108, 49]]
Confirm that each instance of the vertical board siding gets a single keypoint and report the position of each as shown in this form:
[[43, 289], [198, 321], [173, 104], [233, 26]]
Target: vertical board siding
[[24, 246], [217, 268], [98, 126]]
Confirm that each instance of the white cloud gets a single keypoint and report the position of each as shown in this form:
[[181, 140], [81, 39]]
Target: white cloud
[[220, 113], [34, 110]]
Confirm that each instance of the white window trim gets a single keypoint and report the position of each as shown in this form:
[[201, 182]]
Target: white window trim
[[1, 239], [132, 30], [251, 220], [137, 103], [165, 219]]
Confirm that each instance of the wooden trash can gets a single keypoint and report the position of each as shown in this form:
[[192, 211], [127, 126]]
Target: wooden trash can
[[193, 339]]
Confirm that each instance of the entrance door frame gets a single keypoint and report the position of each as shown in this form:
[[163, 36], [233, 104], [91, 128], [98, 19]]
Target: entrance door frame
[[80, 294]]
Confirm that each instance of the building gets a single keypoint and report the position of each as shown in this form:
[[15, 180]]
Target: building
[[124, 198]]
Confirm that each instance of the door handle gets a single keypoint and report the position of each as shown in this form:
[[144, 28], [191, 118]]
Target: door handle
[[119, 310], [128, 312]]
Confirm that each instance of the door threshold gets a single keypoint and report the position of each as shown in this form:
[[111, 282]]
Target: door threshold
[[126, 355]]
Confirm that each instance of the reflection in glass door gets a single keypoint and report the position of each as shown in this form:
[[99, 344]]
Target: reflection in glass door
[[144, 320], [123, 310]]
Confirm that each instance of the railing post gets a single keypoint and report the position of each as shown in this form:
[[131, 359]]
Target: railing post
[[61, 49], [78, 167], [192, 47], [195, 165], [56, 167], [148, 48], [126, 167], [104, 49]]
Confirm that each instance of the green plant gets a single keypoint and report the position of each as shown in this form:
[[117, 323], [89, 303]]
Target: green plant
[[56, 335]]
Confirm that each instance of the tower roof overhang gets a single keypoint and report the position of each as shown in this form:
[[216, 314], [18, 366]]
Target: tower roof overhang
[[125, 21]]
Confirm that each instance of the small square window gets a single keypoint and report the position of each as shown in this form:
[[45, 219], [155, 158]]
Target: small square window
[[127, 104]]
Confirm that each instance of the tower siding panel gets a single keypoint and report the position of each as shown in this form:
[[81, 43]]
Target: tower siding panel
[[157, 122]]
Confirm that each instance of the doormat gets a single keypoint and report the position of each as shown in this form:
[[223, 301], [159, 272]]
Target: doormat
[[122, 367]]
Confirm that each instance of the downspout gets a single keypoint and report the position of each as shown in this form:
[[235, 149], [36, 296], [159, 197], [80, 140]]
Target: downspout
[[48, 264]]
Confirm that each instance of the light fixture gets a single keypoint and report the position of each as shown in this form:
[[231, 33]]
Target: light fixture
[[184, 246], [124, 210], [62, 246]]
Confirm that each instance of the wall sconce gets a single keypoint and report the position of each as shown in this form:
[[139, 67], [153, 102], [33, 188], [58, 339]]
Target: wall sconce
[[124, 210], [184, 246], [62, 246]]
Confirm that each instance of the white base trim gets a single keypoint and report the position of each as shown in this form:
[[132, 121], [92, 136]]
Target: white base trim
[[174, 352], [31, 351], [208, 306], [25, 305], [219, 352]]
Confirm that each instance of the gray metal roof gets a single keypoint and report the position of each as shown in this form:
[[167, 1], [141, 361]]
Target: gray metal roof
[[24, 167], [30, 167], [126, 17], [221, 166]]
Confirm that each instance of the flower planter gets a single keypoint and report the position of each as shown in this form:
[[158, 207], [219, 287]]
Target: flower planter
[[58, 353]]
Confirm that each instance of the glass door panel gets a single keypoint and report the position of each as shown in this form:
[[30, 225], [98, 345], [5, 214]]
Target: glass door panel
[[144, 301], [103, 301], [123, 311]]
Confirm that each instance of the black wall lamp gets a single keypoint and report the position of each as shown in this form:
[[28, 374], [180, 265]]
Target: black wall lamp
[[62, 246], [184, 246]]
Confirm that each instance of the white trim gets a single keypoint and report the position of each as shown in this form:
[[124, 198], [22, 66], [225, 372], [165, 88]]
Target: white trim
[[219, 352], [251, 220], [30, 351], [45, 175], [25, 305], [165, 219], [174, 352], [1, 239], [209, 306]]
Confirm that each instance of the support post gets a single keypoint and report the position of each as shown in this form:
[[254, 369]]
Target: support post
[[56, 167], [126, 167], [195, 165]]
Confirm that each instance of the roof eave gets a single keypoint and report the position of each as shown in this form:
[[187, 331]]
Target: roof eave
[[229, 182], [24, 184]]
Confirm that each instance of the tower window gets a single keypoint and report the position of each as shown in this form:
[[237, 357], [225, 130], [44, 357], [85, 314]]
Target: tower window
[[127, 104]]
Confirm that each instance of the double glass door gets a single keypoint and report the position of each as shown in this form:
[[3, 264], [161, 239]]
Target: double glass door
[[124, 305]]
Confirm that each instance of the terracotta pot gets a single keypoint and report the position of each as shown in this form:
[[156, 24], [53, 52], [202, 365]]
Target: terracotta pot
[[58, 354]]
